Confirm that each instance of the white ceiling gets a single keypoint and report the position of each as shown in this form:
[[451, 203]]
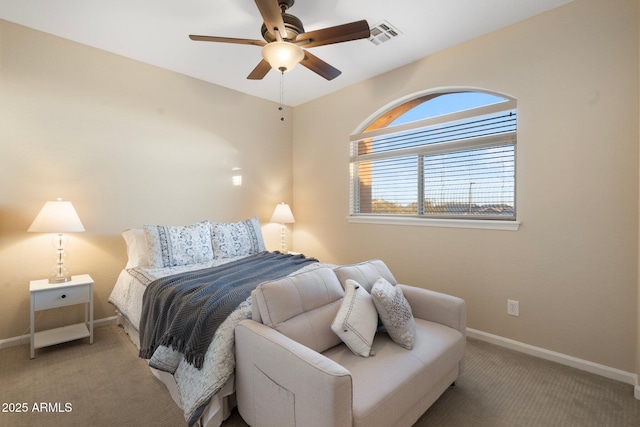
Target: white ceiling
[[156, 32]]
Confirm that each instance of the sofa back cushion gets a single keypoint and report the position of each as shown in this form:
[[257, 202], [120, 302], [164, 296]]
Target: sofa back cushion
[[366, 273], [301, 306]]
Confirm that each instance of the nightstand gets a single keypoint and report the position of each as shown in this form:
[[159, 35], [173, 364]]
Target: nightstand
[[45, 295]]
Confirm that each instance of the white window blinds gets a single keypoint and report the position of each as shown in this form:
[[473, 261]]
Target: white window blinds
[[458, 165]]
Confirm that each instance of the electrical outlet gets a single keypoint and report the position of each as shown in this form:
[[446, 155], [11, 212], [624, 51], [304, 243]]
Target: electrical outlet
[[513, 308]]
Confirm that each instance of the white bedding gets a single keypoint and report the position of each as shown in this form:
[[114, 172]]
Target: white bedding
[[195, 386], [131, 284]]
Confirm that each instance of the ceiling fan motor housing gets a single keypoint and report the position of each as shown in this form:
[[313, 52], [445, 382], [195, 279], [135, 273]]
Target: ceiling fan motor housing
[[292, 24]]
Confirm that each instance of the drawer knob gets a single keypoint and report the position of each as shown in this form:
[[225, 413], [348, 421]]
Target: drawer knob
[[64, 295]]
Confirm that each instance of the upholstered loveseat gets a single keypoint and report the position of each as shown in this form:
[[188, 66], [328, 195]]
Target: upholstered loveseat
[[292, 369]]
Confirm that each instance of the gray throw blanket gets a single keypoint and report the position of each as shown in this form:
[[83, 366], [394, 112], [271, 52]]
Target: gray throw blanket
[[183, 311]]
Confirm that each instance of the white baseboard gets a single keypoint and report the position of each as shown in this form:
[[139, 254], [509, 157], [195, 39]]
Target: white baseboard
[[105, 321], [563, 359], [24, 339]]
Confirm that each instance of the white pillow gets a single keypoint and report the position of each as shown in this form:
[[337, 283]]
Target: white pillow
[[237, 238], [357, 319], [395, 312], [137, 250], [170, 246]]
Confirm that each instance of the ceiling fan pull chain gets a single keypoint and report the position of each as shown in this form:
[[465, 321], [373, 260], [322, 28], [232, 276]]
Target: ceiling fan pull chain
[[281, 107]]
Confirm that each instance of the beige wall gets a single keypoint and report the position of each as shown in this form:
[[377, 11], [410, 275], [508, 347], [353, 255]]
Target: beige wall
[[573, 265], [128, 144]]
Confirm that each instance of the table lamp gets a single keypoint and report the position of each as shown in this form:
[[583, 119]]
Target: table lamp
[[283, 215], [58, 217]]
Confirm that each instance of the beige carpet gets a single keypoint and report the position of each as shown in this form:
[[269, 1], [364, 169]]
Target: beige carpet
[[105, 384], [501, 387]]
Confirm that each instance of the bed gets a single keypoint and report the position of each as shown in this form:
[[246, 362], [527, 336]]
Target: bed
[[160, 258]]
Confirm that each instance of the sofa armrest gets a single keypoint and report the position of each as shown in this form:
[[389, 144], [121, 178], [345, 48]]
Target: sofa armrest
[[273, 371], [437, 307]]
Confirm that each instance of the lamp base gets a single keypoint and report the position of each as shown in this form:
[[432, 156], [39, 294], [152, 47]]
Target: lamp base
[[61, 279], [283, 239]]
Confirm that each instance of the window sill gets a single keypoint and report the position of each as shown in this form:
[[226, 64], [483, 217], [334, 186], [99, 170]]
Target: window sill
[[431, 222]]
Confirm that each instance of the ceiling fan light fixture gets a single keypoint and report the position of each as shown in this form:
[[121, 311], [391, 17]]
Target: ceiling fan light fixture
[[282, 56]]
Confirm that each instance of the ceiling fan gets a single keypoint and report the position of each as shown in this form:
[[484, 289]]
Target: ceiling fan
[[284, 39]]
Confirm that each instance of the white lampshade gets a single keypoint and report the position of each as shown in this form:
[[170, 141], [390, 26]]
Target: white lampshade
[[282, 214], [57, 217], [282, 56]]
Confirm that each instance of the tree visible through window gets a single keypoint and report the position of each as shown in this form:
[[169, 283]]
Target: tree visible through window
[[442, 155]]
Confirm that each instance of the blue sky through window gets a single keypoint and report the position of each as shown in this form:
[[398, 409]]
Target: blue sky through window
[[447, 103]]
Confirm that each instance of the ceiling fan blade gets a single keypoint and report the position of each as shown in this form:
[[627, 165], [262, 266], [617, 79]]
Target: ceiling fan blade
[[272, 16], [319, 67], [260, 71], [227, 40], [338, 34]]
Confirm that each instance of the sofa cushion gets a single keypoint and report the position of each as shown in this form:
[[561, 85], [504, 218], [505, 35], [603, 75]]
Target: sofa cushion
[[302, 307], [395, 312], [387, 386], [357, 319], [366, 273]]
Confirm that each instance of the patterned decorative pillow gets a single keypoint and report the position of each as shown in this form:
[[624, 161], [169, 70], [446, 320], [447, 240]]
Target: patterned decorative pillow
[[357, 319], [170, 246], [395, 312], [237, 238]]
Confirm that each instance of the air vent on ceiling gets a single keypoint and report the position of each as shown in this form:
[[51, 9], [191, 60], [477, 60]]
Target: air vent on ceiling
[[383, 32]]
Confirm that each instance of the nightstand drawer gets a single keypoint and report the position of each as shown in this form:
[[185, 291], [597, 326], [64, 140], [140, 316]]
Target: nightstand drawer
[[62, 297]]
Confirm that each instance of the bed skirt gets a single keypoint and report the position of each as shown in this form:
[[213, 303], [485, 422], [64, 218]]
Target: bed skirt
[[221, 404]]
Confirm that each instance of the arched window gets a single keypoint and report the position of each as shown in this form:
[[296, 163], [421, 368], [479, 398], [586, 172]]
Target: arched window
[[444, 155]]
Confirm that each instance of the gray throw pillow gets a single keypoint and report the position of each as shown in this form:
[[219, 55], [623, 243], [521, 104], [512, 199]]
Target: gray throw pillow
[[395, 312]]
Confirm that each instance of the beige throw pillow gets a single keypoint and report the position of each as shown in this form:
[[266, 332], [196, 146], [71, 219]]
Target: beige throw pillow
[[395, 312], [365, 273], [357, 319]]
